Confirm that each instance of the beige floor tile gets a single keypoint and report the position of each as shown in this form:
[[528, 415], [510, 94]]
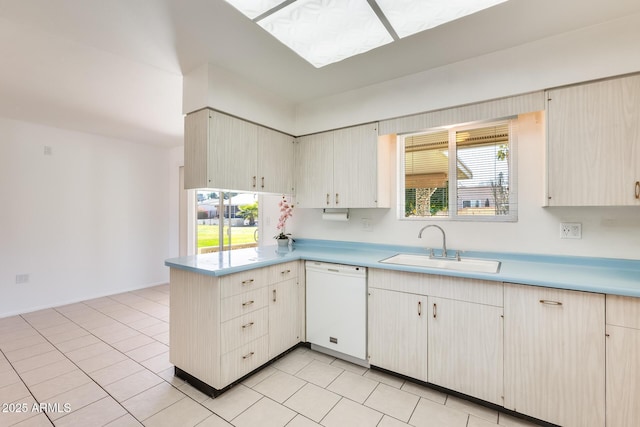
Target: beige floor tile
[[479, 422], [125, 421], [147, 351], [184, 413], [260, 376], [68, 326], [88, 351], [384, 378], [68, 335], [96, 414], [21, 341], [233, 402], [132, 342], [169, 376], [8, 377], [301, 421], [153, 400], [39, 420], [509, 421], [349, 413], [388, 421], [13, 392], [59, 384], [163, 338], [47, 372], [264, 413], [76, 399], [18, 411], [38, 361], [319, 373], [133, 384], [158, 328], [27, 352], [158, 363], [193, 393], [279, 386], [214, 421], [473, 409], [347, 366], [426, 392], [431, 414], [144, 322], [353, 386], [391, 401], [293, 362], [77, 343], [312, 401], [100, 361], [320, 356], [115, 372]]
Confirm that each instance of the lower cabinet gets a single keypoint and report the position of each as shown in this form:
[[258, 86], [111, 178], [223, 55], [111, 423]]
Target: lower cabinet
[[465, 348], [398, 332], [623, 363], [555, 355], [222, 328]]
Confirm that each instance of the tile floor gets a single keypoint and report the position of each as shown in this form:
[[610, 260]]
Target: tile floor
[[106, 362]]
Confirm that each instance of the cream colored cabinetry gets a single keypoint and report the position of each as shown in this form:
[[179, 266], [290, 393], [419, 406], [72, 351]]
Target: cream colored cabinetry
[[593, 147], [222, 328], [345, 168], [398, 332], [443, 330], [225, 152], [554, 355], [623, 364]]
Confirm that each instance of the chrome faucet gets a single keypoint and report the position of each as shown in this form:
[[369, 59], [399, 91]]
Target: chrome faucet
[[444, 238]]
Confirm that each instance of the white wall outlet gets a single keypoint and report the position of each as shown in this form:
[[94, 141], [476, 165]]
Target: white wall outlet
[[22, 278], [366, 224], [570, 230], [48, 151]]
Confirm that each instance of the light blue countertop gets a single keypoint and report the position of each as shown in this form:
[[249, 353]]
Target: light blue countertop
[[602, 275]]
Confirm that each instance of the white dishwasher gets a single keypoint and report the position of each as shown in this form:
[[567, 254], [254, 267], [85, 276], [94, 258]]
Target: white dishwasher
[[337, 310]]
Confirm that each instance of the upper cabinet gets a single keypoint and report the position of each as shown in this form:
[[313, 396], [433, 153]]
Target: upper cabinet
[[345, 168], [593, 144], [228, 153]]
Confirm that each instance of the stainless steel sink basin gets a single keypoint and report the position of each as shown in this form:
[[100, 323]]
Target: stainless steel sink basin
[[464, 264]]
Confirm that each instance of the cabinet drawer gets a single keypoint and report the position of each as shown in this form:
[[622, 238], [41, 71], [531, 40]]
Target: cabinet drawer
[[244, 303], [244, 281], [623, 311], [281, 272], [244, 329], [245, 359]]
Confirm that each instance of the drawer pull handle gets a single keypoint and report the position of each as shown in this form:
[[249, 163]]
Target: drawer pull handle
[[247, 325], [549, 302], [245, 304], [419, 308], [637, 189], [262, 186], [327, 199], [247, 282], [248, 355], [285, 272], [337, 199], [274, 295], [254, 182], [435, 311]]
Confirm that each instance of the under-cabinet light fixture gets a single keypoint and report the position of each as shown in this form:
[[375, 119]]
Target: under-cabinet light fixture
[[327, 31]]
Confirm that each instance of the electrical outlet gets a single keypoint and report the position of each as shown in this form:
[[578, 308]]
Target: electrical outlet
[[22, 278], [570, 230], [366, 224]]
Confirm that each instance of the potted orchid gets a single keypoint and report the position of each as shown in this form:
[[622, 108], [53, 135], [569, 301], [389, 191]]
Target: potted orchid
[[286, 211]]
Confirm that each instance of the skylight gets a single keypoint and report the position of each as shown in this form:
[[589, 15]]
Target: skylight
[[327, 31]]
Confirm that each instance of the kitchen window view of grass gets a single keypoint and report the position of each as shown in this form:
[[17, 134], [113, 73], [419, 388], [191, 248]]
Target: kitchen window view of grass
[[240, 225], [475, 182]]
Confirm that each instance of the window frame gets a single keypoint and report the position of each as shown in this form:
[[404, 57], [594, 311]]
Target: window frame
[[452, 173]]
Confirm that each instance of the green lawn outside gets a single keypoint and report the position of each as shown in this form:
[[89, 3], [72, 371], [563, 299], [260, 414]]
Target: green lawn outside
[[208, 235]]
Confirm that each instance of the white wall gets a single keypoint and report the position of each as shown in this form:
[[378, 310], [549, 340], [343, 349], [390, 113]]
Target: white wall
[[606, 232], [89, 220]]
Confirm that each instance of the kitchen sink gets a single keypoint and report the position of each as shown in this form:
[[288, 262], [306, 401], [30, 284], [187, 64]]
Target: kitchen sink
[[463, 264]]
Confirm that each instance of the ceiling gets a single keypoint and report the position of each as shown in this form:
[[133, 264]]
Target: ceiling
[[114, 68]]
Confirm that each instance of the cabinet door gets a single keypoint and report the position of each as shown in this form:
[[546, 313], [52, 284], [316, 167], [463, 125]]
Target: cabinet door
[[554, 342], [398, 332], [283, 317], [275, 161], [465, 348], [196, 147], [355, 170], [314, 171], [623, 376], [233, 147], [593, 148]]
